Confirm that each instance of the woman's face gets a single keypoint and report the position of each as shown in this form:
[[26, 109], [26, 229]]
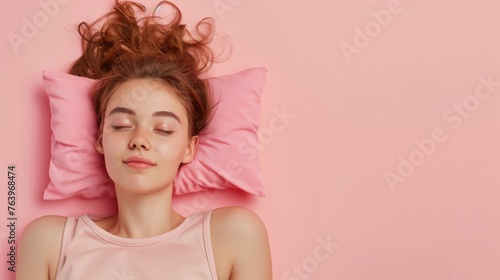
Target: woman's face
[[145, 136]]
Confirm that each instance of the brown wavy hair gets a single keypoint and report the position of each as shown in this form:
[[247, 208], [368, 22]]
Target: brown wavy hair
[[122, 46]]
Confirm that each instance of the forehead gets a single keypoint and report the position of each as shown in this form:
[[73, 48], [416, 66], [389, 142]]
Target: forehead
[[146, 95]]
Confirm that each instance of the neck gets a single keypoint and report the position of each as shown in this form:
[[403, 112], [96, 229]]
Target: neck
[[144, 215]]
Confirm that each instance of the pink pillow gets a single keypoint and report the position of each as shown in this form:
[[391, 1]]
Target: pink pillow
[[226, 156]]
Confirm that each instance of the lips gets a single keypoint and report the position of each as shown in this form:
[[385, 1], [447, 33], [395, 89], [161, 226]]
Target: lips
[[138, 162]]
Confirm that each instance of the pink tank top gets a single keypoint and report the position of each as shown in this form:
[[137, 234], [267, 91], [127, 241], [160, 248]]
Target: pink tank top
[[90, 252]]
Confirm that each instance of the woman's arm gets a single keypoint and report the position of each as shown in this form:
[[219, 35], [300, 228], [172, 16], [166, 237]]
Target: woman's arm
[[240, 244], [39, 249]]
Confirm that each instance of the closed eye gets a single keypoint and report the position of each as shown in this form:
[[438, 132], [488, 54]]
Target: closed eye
[[120, 127], [166, 132]]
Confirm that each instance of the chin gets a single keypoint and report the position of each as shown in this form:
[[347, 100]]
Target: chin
[[142, 184]]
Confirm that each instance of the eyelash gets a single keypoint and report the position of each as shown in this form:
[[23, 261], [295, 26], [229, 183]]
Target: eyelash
[[167, 132], [120, 127]]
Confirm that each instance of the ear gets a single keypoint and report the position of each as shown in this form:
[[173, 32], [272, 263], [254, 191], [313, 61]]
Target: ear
[[191, 149], [98, 145]]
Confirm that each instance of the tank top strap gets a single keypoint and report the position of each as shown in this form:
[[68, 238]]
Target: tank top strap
[[207, 238], [69, 229]]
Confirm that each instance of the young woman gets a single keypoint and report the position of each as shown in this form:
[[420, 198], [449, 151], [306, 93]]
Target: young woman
[[151, 103]]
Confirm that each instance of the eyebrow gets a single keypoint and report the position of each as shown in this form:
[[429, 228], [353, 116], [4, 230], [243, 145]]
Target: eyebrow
[[128, 111]]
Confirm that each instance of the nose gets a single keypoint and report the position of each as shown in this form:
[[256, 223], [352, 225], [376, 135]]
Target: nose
[[140, 140]]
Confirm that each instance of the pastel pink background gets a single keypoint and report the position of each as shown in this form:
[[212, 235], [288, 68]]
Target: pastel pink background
[[352, 123]]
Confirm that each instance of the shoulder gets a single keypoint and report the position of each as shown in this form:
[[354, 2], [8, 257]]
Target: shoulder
[[240, 244], [40, 246], [45, 227], [237, 220]]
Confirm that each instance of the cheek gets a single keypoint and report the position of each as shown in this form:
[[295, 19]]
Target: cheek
[[111, 144], [169, 152], [172, 151]]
